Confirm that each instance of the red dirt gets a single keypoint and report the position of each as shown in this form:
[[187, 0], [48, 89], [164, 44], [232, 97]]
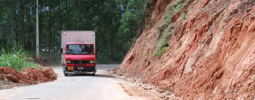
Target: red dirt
[[29, 76], [212, 55]]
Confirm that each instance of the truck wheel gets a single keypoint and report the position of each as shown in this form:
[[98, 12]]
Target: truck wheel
[[65, 74], [93, 74]]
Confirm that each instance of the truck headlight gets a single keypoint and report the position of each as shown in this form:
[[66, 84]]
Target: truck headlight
[[92, 61], [68, 61]]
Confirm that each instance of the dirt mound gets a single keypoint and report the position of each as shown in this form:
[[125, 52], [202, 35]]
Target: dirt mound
[[27, 76], [210, 55]]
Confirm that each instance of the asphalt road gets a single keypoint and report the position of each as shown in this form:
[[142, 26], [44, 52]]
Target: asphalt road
[[74, 87]]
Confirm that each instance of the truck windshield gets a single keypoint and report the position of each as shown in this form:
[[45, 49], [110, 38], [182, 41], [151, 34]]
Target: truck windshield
[[79, 49]]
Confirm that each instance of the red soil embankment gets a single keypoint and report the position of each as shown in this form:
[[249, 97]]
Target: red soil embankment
[[27, 76], [211, 55]]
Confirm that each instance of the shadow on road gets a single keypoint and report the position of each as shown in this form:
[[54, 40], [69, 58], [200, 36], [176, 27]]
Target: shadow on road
[[97, 75]]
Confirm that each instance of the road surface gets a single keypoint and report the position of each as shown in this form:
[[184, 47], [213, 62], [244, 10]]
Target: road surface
[[74, 87]]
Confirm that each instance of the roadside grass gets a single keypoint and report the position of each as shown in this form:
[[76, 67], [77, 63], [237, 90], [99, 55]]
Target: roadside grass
[[0, 84], [17, 60]]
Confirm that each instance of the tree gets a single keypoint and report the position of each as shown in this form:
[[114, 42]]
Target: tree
[[116, 23]]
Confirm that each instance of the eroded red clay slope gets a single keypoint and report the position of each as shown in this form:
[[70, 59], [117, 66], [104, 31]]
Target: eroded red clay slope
[[212, 54], [28, 76]]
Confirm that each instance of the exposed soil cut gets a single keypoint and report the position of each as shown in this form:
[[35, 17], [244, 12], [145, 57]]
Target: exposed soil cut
[[11, 78], [210, 56]]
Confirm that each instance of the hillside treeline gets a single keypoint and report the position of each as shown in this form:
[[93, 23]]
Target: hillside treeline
[[116, 23]]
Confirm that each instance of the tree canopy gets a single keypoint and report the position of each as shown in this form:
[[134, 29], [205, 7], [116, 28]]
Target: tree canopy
[[116, 23]]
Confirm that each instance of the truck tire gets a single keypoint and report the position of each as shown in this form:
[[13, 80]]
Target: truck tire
[[93, 74], [65, 74]]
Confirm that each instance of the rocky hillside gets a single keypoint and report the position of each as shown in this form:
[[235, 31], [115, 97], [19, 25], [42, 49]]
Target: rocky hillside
[[196, 49]]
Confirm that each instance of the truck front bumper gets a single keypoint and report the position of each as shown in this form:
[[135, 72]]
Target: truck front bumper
[[76, 70], [79, 72]]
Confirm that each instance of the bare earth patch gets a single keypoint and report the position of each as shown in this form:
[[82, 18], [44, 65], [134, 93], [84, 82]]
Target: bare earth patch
[[136, 88], [12, 78], [211, 54]]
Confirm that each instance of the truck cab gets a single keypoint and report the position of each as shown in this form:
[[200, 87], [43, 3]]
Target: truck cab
[[78, 56]]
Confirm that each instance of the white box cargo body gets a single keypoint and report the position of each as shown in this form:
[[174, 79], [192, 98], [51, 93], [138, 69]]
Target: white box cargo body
[[77, 36]]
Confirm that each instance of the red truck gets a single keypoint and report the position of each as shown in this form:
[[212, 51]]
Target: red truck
[[78, 55]]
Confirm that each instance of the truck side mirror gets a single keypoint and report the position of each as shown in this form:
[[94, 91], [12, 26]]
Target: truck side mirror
[[61, 50]]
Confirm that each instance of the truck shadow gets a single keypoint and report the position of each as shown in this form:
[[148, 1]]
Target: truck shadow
[[97, 75]]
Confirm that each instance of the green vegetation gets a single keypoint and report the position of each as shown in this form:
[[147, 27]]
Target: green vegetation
[[166, 29], [166, 36], [154, 34], [116, 23], [131, 22], [0, 84], [17, 60], [171, 10], [184, 16], [164, 50], [103, 60]]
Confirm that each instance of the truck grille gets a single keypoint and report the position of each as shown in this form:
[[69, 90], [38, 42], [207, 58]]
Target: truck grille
[[80, 61]]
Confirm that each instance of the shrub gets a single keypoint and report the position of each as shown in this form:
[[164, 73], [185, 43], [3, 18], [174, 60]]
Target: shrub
[[166, 29], [171, 10], [164, 50], [166, 36], [16, 60]]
